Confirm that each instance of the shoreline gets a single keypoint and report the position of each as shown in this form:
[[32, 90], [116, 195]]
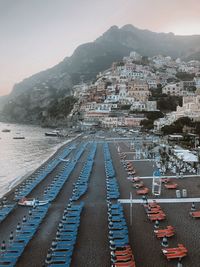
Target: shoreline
[[21, 178]]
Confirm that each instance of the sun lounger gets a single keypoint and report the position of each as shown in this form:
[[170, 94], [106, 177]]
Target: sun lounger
[[171, 186], [156, 217], [143, 191], [195, 214], [180, 247], [168, 232], [177, 255]]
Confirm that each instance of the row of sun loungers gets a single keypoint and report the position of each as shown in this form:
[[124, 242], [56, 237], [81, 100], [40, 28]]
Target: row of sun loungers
[[54, 188], [129, 168], [111, 182], [30, 183], [60, 253], [81, 185], [122, 156], [155, 214], [10, 253], [5, 210], [26, 187], [139, 184], [121, 253]]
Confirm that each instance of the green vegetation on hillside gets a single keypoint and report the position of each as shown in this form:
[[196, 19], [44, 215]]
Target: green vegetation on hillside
[[151, 117], [179, 125], [184, 76], [62, 107]]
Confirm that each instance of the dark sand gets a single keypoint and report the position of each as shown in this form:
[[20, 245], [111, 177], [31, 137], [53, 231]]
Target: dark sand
[[145, 245], [92, 247]]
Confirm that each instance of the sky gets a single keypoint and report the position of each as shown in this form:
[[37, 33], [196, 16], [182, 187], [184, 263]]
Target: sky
[[38, 34]]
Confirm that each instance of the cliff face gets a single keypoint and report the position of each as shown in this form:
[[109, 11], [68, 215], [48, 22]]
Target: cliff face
[[34, 95]]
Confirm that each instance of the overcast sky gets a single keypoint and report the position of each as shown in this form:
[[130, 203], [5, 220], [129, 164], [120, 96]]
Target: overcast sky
[[37, 34]]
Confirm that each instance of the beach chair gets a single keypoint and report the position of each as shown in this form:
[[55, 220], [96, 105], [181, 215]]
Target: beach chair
[[143, 191], [171, 186], [195, 214], [157, 217], [176, 255], [168, 232]]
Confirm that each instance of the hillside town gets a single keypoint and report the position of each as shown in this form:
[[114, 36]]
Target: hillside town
[[123, 94]]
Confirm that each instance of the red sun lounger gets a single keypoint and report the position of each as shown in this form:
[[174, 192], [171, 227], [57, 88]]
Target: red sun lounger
[[171, 186], [195, 214]]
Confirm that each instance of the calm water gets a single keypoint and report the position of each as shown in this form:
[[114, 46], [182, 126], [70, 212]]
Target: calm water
[[19, 157]]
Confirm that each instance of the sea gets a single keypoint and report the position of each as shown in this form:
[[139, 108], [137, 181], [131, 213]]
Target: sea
[[20, 157]]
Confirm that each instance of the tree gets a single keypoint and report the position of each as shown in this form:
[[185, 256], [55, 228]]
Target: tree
[[184, 76]]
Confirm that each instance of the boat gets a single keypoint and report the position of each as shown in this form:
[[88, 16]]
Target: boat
[[18, 137], [53, 133], [6, 130], [32, 202]]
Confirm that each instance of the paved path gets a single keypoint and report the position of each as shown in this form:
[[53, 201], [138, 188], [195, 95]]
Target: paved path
[[160, 200], [92, 246], [171, 176]]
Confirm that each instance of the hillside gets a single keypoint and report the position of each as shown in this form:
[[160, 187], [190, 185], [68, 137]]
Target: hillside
[[90, 58]]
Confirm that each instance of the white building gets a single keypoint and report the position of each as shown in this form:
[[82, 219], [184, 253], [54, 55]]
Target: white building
[[173, 89], [144, 106], [197, 82]]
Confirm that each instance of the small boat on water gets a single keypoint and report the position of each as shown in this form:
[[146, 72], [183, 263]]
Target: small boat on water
[[32, 202], [51, 134], [55, 133], [18, 137], [6, 130]]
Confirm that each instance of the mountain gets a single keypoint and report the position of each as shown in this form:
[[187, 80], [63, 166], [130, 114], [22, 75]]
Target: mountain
[[88, 59]]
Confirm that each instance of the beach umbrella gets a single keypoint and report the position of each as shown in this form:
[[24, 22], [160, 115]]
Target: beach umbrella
[[60, 226], [193, 208], [18, 229], [48, 257], [24, 219], [4, 200], [54, 245], [165, 242], [179, 264], [11, 237], [156, 225], [113, 257], [3, 246], [30, 212]]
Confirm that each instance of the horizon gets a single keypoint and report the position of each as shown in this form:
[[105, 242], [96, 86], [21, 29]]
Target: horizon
[[42, 42]]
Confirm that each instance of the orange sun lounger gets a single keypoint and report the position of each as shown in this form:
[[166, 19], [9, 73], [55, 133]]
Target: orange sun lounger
[[171, 186], [180, 247], [175, 253], [157, 217], [168, 232], [195, 214], [143, 191]]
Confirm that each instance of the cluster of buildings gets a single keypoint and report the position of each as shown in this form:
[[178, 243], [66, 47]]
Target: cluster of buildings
[[121, 95]]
